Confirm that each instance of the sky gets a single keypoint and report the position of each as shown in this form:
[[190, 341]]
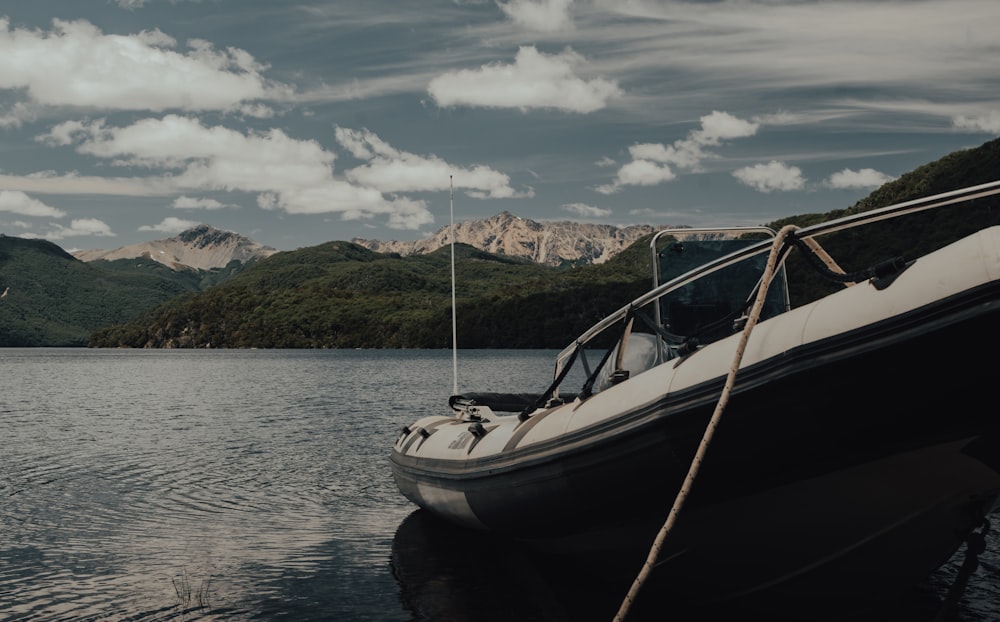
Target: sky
[[298, 122]]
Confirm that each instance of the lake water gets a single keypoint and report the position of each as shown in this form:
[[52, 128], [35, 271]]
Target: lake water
[[254, 485]]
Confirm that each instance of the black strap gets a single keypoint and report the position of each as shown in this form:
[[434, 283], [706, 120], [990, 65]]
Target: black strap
[[881, 270], [588, 387], [544, 397]]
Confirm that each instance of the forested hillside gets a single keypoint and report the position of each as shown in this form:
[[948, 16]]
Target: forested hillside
[[341, 295], [53, 299]]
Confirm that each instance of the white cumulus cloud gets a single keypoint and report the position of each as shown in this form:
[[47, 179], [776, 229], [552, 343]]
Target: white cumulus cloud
[[771, 177], [864, 178], [186, 202], [170, 225], [80, 227], [651, 162], [76, 64], [586, 211], [987, 123], [540, 15], [391, 170], [534, 80], [17, 202], [287, 174]]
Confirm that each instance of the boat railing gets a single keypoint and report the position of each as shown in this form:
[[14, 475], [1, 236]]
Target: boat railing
[[568, 355], [669, 247]]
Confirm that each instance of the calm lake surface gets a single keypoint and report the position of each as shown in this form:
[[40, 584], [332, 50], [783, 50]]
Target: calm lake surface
[[254, 485]]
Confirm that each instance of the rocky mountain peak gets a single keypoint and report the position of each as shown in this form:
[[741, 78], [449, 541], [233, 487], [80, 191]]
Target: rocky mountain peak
[[200, 248], [204, 236], [550, 243]]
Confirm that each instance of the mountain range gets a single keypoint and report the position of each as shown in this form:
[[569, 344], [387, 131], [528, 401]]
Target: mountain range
[[548, 243], [563, 243]]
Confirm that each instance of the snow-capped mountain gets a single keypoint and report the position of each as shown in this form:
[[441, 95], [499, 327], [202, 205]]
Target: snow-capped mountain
[[200, 248]]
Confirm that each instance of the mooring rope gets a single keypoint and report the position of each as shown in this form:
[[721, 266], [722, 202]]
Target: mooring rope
[[706, 439]]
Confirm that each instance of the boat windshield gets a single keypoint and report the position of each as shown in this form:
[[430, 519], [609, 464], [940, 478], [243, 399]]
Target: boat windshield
[[706, 308], [704, 282]]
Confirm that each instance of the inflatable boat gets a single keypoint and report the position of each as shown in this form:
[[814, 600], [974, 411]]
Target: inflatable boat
[[735, 446]]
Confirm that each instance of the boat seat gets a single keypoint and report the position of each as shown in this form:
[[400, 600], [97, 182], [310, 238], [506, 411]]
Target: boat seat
[[640, 355]]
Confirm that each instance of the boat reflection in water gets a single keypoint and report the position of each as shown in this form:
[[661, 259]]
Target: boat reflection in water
[[448, 573], [451, 574]]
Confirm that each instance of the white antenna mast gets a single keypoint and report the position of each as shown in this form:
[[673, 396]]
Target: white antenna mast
[[454, 315]]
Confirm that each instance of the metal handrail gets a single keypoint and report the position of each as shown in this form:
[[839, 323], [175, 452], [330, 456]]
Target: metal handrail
[[812, 231]]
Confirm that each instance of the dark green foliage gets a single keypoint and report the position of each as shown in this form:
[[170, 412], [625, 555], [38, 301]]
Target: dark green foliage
[[56, 300], [340, 295], [190, 278]]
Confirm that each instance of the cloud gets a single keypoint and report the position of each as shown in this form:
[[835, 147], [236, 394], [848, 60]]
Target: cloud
[[81, 227], [719, 126], [644, 173], [391, 170], [75, 64], [50, 182], [19, 113], [988, 123], [170, 225], [534, 80], [17, 202], [287, 173], [215, 158], [771, 176], [586, 211], [865, 178], [185, 202], [651, 162], [540, 15]]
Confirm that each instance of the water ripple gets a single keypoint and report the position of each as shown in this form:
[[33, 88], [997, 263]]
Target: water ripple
[[231, 485]]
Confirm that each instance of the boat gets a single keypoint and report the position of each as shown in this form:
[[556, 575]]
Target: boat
[[729, 446]]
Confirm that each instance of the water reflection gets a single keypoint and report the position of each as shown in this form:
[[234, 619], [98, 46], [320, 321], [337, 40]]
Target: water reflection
[[452, 574], [174, 485]]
